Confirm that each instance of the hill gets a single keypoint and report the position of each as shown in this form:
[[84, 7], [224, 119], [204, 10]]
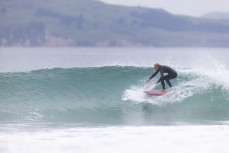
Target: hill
[[93, 23], [217, 15]]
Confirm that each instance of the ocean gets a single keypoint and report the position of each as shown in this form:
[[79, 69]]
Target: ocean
[[91, 100]]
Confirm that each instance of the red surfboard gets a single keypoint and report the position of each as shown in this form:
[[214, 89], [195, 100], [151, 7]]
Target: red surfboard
[[155, 92]]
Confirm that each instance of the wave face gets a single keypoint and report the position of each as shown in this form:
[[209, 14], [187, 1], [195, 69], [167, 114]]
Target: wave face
[[112, 95]]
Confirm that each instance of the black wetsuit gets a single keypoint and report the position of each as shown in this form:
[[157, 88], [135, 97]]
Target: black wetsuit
[[171, 75]]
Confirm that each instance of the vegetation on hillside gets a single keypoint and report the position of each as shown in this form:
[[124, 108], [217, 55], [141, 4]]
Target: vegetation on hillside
[[93, 23]]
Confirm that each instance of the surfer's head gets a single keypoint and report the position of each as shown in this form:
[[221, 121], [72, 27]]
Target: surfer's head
[[157, 66]]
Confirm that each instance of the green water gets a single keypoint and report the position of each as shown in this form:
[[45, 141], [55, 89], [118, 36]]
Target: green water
[[110, 95]]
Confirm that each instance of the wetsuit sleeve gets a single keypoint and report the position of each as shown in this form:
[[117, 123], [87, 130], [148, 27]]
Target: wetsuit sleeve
[[154, 74]]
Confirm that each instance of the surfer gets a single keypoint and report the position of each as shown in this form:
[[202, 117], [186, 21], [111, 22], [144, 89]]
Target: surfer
[[164, 69]]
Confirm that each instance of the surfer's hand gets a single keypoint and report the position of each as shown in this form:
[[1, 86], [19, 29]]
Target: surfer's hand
[[148, 80]]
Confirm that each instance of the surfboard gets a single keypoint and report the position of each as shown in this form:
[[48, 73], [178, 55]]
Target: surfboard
[[155, 92]]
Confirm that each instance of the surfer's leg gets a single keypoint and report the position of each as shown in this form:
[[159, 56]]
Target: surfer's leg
[[169, 77], [166, 78], [163, 83], [168, 82]]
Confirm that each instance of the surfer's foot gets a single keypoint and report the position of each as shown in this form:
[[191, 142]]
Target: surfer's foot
[[163, 90]]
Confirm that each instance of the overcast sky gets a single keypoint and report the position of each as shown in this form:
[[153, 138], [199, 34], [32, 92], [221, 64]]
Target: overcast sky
[[186, 7]]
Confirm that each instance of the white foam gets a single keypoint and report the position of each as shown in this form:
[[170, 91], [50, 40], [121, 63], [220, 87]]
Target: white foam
[[204, 72], [183, 90], [136, 93], [163, 139]]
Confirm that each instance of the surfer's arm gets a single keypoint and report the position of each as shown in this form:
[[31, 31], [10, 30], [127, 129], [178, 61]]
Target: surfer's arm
[[154, 74]]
